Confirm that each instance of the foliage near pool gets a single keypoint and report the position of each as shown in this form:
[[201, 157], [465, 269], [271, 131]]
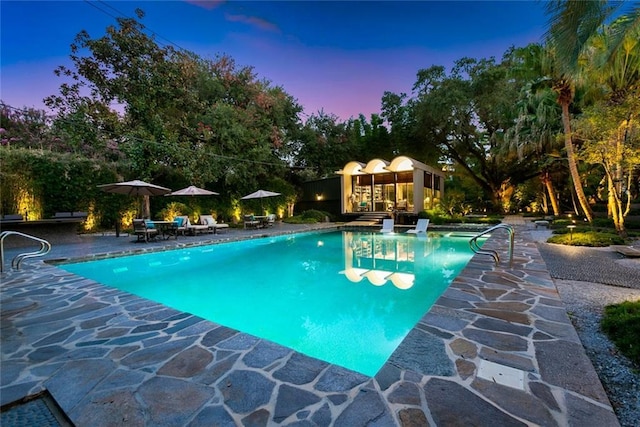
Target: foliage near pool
[[586, 238], [621, 322]]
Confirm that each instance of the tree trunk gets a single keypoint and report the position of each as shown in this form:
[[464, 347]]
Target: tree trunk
[[145, 208], [552, 194], [573, 165], [615, 204], [545, 204], [504, 195]]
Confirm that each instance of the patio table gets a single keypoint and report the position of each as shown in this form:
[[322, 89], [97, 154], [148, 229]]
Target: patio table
[[263, 220], [167, 229]]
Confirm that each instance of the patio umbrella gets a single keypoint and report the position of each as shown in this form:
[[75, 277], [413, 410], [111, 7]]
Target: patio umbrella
[[136, 188], [260, 194], [192, 190]]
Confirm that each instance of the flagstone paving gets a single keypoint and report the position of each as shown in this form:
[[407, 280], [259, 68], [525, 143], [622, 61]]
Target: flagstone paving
[[496, 349]]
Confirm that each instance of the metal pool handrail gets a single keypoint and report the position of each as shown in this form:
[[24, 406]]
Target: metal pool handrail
[[45, 247], [473, 243]]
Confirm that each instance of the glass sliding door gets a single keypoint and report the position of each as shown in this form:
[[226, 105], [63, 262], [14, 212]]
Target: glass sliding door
[[404, 196], [361, 199], [384, 194]]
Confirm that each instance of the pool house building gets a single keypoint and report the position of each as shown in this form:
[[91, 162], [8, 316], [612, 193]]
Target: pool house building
[[401, 185]]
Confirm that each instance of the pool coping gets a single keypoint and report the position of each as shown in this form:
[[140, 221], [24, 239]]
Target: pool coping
[[499, 340]]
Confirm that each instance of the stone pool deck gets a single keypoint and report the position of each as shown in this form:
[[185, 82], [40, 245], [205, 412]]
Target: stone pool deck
[[496, 349]]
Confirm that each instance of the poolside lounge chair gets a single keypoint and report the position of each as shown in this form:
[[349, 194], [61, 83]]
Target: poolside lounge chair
[[181, 224], [143, 231], [387, 225], [219, 226], [421, 226], [212, 224], [209, 221], [193, 229]]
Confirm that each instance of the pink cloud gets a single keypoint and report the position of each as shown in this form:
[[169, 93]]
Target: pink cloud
[[206, 4], [253, 21]]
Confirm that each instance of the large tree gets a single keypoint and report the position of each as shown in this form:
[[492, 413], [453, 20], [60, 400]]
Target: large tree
[[326, 144], [464, 115], [206, 119]]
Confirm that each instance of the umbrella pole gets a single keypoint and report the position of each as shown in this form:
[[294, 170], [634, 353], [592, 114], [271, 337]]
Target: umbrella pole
[[146, 212], [144, 208]]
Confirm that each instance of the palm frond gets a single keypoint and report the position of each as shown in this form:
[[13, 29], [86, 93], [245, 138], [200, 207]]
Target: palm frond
[[571, 24], [626, 26]]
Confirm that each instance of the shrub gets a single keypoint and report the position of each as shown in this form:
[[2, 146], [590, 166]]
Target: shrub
[[311, 216], [589, 238], [489, 220], [621, 322], [454, 220], [298, 219], [632, 224], [560, 223], [173, 210], [578, 229], [319, 216], [434, 217], [603, 222]]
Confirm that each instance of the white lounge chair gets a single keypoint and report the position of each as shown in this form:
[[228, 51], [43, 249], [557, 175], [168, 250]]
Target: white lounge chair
[[387, 225], [212, 223], [192, 229], [421, 226]]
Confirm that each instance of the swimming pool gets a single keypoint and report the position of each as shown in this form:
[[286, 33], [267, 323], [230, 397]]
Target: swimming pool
[[345, 297]]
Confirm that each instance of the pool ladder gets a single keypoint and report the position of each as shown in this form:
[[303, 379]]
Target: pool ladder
[[473, 243], [45, 247]]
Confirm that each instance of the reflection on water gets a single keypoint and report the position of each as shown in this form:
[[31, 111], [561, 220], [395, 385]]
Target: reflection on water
[[383, 258]]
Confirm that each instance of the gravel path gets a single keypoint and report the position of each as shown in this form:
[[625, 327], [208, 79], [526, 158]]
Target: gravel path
[[600, 265], [588, 279]]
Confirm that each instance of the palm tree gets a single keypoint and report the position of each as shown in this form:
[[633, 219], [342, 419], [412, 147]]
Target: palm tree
[[534, 134], [538, 122], [577, 27]]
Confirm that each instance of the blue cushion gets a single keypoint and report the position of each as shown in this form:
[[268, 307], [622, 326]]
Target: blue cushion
[[150, 224], [179, 221]]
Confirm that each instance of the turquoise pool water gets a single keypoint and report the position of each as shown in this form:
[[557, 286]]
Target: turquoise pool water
[[348, 298]]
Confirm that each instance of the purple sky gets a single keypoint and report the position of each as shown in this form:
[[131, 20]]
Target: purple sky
[[336, 56]]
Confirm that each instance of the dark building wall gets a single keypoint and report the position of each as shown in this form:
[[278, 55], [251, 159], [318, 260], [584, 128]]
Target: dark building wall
[[320, 194]]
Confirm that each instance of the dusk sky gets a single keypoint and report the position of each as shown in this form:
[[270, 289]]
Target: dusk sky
[[336, 56]]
